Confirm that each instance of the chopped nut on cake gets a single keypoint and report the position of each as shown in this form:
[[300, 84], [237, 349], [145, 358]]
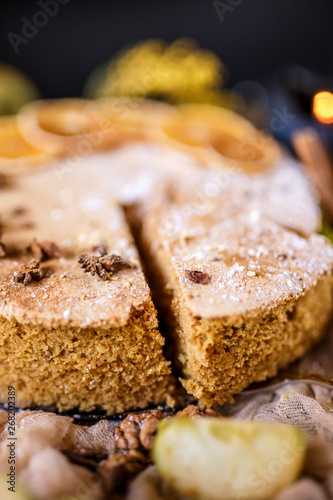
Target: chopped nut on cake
[[197, 277]]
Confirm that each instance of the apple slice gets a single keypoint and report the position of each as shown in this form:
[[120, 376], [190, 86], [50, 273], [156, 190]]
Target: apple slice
[[10, 490], [226, 459]]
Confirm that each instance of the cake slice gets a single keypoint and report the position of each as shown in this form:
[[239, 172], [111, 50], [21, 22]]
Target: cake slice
[[77, 331], [243, 293]]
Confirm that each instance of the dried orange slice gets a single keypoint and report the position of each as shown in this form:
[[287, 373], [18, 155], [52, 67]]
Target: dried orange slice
[[215, 135], [123, 119], [61, 126], [16, 154]]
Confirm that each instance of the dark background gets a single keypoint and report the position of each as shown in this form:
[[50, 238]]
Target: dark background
[[254, 39]]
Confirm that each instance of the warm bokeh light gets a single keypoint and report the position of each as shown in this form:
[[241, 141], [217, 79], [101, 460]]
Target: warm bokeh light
[[323, 107]]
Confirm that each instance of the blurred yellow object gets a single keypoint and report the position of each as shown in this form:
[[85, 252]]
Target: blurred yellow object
[[16, 154], [16, 89], [176, 73], [18, 492], [123, 119], [327, 228], [215, 135], [61, 126]]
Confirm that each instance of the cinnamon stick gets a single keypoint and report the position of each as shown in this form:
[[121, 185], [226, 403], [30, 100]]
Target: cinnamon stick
[[313, 154]]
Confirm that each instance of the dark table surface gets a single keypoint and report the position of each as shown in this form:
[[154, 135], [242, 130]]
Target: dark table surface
[[253, 37]]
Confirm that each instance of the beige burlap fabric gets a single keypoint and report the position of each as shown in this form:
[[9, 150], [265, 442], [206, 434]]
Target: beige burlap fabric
[[48, 474]]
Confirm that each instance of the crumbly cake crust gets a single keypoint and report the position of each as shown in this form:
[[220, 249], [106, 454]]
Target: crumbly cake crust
[[219, 360], [252, 264], [76, 218], [115, 369]]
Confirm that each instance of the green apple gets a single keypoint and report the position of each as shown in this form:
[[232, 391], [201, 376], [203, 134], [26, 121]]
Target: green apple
[[16, 493], [327, 228], [226, 459], [16, 89]]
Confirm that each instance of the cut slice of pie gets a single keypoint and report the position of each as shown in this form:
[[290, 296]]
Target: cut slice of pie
[[244, 294], [78, 326]]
